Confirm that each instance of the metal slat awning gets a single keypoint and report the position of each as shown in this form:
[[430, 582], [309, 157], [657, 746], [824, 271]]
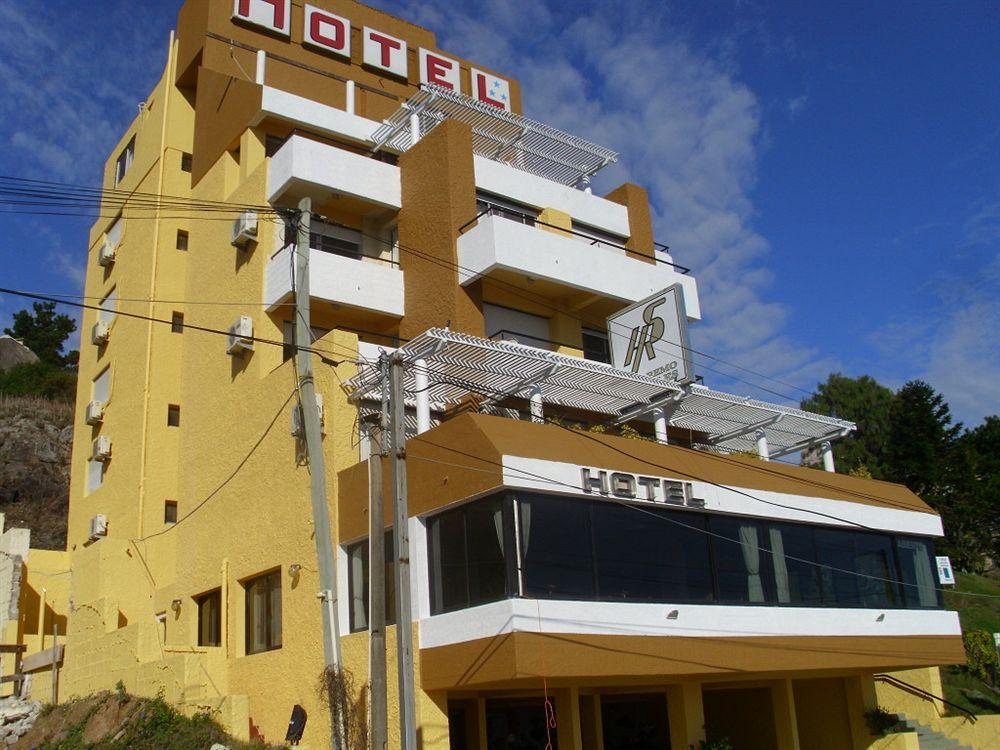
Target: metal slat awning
[[498, 135], [458, 365]]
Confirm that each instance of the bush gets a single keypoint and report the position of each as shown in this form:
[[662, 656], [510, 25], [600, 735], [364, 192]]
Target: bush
[[39, 379], [981, 656], [880, 722]]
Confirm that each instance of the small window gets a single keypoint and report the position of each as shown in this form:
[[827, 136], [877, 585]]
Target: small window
[[186, 162], [100, 389], [358, 555], [124, 162], [182, 240], [170, 511], [329, 238], [595, 346], [263, 613], [109, 307], [177, 323], [173, 415], [210, 618], [95, 474]]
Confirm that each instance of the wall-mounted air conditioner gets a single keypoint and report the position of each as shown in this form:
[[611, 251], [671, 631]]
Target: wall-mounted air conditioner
[[106, 255], [100, 333], [298, 428], [241, 335], [98, 527], [95, 412], [245, 229], [102, 449]]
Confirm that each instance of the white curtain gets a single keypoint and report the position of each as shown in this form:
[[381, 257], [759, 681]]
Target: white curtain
[[751, 559], [780, 568], [498, 525], [358, 611], [922, 568], [525, 527]]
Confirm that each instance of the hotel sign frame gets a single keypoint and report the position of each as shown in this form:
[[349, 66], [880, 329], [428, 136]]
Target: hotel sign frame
[[660, 319]]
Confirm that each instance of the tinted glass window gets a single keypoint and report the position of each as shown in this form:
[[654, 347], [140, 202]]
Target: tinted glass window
[[210, 619], [484, 530], [742, 565], [358, 556], [793, 553], [450, 579], [875, 560], [835, 551], [556, 548], [916, 561]]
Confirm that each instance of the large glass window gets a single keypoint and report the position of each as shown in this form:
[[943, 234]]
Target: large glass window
[[359, 556], [556, 551], [467, 547], [916, 563], [743, 571], [796, 573], [263, 613]]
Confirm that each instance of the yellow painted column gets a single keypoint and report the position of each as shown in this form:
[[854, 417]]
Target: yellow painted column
[[251, 152], [686, 714], [861, 697], [554, 220], [568, 718], [591, 725], [481, 722], [783, 705], [432, 720]]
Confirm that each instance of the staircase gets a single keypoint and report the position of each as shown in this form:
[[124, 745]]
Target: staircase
[[929, 739]]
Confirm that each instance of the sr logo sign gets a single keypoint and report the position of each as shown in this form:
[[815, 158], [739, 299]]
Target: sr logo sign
[[650, 337]]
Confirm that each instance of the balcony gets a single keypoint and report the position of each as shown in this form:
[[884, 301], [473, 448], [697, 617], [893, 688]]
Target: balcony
[[305, 167], [369, 284], [554, 263]]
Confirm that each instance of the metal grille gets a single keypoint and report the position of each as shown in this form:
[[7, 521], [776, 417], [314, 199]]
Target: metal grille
[[498, 135], [459, 364]]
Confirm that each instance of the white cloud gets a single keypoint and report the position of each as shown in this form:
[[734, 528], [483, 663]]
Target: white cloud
[[796, 105]]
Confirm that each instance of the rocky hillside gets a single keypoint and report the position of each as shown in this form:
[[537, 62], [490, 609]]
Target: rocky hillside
[[35, 440]]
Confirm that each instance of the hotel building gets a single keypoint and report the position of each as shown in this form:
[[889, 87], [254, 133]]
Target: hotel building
[[653, 589]]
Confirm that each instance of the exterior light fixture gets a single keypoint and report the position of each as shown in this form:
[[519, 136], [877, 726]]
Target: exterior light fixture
[[294, 570], [673, 614], [880, 618], [175, 605]]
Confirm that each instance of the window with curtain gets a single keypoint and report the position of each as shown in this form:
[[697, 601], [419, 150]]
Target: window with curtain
[[916, 562], [557, 556], [742, 568], [467, 554], [796, 575], [263, 613], [358, 561]]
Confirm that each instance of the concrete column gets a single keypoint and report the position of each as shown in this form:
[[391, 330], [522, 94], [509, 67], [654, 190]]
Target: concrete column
[[414, 129], [660, 425], [422, 395], [591, 723], [786, 726], [686, 715], [861, 697], [537, 409], [762, 449], [349, 98], [568, 718], [481, 722], [261, 67], [827, 452]]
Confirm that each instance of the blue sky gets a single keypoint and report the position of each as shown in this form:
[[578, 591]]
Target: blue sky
[[829, 171]]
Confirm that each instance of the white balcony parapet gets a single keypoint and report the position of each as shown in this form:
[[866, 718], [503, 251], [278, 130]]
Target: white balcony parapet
[[303, 166], [366, 284], [496, 243], [321, 118]]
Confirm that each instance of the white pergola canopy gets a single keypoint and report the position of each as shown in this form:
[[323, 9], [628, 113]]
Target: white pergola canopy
[[496, 134], [456, 365]]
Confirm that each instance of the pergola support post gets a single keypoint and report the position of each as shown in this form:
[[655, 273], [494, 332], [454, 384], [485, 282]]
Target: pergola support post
[[660, 422], [826, 450], [422, 395], [762, 449], [535, 401]]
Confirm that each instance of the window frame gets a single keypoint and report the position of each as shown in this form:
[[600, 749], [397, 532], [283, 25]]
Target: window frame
[[200, 600], [273, 640], [124, 161], [390, 557]]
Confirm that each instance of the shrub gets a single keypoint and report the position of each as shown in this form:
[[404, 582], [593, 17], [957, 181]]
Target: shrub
[[880, 722]]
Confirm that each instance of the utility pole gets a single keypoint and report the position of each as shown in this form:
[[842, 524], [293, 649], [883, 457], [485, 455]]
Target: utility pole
[[379, 731], [317, 465], [404, 624]]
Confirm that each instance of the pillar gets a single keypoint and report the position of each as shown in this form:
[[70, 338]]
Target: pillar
[[861, 697], [660, 424], [591, 724], [568, 718], [261, 66], [762, 449], [786, 727], [349, 97], [537, 409], [686, 714], [422, 395], [414, 129], [827, 452]]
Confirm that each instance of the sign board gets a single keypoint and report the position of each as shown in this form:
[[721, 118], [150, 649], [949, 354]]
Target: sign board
[[945, 574], [651, 338]]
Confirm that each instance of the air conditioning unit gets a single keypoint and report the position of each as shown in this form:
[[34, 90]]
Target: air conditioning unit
[[245, 229], [298, 428], [98, 527], [95, 412], [102, 449], [100, 333], [106, 256], [241, 335]]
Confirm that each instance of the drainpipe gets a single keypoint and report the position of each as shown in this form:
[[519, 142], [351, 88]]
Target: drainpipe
[[826, 450], [535, 400], [422, 394], [762, 449], [660, 424]]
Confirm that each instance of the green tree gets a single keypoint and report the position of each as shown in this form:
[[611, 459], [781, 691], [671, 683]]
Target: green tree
[[867, 403], [921, 438], [44, 332]]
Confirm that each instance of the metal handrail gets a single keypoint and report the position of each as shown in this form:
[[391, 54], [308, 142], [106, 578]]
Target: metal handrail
[[492, 208], [922, 693]]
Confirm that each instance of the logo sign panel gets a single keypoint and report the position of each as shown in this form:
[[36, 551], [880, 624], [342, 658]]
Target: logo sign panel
[[440, 70], [490, 89], [272, 15], [651, 338], [385, 52], [628, 486], [327, 32], [945, 574]]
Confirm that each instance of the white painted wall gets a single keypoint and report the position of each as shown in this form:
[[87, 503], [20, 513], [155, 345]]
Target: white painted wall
[[504, 180], [498, 243], [305, 164], [312, 115]]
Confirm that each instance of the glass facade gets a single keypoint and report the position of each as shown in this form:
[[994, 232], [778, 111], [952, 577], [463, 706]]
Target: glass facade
[[549, 547]]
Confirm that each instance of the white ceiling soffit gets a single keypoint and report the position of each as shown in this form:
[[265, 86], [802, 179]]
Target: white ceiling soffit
[[459, 364], [499, 135]]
